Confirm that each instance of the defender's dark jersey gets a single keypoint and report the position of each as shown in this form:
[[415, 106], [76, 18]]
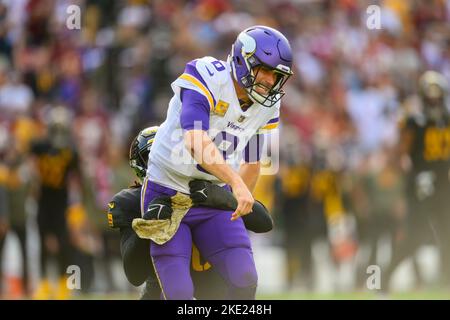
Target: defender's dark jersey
[[124, 207], [430, 156]]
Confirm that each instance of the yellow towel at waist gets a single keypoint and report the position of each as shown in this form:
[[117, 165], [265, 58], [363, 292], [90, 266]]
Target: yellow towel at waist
[[161, 231]]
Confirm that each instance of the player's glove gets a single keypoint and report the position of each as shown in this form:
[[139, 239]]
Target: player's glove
[[204, 193], [159, 208]]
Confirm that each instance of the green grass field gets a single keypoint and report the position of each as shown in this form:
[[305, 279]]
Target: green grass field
[[413, 295], [431, 295]]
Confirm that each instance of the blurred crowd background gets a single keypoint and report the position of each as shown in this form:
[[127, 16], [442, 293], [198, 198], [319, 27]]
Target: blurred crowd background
[[341, 181]]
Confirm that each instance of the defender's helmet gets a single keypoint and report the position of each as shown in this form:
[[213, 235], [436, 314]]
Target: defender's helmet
[[433, 90], [140, 149], [433, 86], [58, 125], [266, 47]]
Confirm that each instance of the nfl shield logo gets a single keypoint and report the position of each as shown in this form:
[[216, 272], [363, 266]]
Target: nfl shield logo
[[241, 118]]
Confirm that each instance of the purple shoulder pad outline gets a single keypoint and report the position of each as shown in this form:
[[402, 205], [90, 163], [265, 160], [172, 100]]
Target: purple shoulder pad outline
[[191, 69], [194, 109]]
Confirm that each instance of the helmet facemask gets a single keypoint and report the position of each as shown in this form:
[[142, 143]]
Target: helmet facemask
[[273, 94], [139, 165]]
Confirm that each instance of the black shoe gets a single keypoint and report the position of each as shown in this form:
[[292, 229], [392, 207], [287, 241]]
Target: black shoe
[[151, 290]]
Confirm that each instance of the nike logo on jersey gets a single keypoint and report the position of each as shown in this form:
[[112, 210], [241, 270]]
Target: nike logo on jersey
[[209, 72], [203, 192], [159, 211]]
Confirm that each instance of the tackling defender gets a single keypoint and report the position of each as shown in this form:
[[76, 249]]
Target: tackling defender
[[125, 206], [217, 113]]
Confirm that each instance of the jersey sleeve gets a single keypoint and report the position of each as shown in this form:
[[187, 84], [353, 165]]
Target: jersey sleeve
[[196, 77], [194, 110]]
